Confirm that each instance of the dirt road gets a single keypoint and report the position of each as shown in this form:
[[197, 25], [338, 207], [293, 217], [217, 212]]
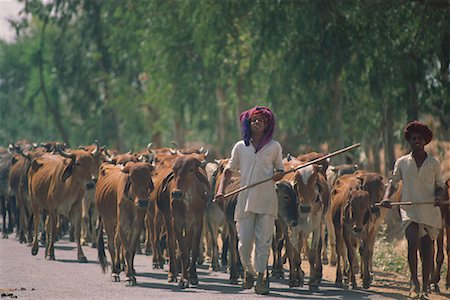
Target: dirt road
[[32, 277]]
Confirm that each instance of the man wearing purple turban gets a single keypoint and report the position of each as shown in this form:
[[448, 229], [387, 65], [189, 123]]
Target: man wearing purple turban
[[257, 157], [422, 182]]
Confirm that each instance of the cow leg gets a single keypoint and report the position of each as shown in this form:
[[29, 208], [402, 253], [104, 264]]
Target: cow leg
[[232, 247], [196, 236], [22, 218], [130, 251], [315, 261], [148, 235], [225, 246], [294, 263], [3, 208], [201, 245], [365, 254], [171, 241], [436, 268], [183, 237], [447, 250], [350, 245], [213, 250], [331, 237], [93, 224], [51, 229], [85, 238], [158, 257], [36, 219], [76, 224]]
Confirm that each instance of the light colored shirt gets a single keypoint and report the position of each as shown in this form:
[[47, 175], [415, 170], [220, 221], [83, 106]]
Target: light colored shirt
[[419, 185], [255, 167]]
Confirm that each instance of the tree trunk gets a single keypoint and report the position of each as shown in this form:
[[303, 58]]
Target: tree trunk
[[111, 127], [337, 132], [388, 141], [53, 108], [223, 121]]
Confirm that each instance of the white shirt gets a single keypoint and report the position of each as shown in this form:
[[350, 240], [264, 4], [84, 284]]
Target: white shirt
[[255, 167], [419, 185]]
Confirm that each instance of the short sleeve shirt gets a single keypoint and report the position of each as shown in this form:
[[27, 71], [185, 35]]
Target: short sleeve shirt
[[254, 167], [419, 185]]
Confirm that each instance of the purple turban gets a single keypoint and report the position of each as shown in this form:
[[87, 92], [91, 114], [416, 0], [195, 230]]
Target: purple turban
[[245, 125], [420, 128]]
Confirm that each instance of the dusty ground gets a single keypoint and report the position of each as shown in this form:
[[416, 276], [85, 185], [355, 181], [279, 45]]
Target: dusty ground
[[390, 284]]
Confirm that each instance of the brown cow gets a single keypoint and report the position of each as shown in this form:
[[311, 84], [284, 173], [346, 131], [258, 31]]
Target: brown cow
[[122, 196], [57, 184], [89, 214], [312, 192], [181, 194], [351, 211], [437, 265]]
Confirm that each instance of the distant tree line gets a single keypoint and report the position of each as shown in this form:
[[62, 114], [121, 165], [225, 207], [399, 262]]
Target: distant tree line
[[130, 72]]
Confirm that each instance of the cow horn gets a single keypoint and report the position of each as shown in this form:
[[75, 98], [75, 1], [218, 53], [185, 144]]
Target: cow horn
[[130, 152], [63, 153], [82, 148], [149, 146], [25, 155], [289, 157], [201, 150], [175, 144], [95, 151], [173, 151]]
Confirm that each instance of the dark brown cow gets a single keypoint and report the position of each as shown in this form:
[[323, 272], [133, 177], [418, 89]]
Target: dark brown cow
[[439, 245], [228, 206], [374, 185], [57, 184], [351, 213], [126, 188], [181, 194], [18, 182]]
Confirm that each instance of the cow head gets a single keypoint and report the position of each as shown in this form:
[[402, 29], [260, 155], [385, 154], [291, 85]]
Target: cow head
[[372, 183], [81, 166], [186, 170], [306, 188], [139, 182], [287, 203], [357, 211]]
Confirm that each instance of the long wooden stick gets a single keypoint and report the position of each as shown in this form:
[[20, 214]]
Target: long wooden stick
[[314, 161], [411, 203]]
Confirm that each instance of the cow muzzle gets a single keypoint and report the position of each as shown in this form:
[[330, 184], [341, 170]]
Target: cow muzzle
[[177, 194], [305, 209], [357, 229], [142, 203], [90, 185]]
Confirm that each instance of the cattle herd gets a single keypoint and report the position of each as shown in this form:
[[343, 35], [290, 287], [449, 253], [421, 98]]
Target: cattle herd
[[160, 200]]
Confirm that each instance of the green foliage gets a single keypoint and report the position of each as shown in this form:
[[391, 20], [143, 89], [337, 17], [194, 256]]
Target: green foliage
[[128, 72]]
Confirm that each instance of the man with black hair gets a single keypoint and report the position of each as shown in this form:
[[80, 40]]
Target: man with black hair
[[422, 182]]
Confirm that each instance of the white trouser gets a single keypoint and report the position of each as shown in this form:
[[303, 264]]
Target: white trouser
[[259, 229]]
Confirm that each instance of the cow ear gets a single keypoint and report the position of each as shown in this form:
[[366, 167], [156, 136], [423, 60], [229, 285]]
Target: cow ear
[[13, 160], [36, 165], [67, 172], [125, 169], [366, 216], [127, 187], [166, 181]]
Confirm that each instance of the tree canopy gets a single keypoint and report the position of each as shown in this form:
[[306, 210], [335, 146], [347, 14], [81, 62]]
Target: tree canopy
[[130, 72]]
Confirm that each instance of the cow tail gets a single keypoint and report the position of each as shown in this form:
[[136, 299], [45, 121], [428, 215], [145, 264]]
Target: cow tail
[[101, 248]]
